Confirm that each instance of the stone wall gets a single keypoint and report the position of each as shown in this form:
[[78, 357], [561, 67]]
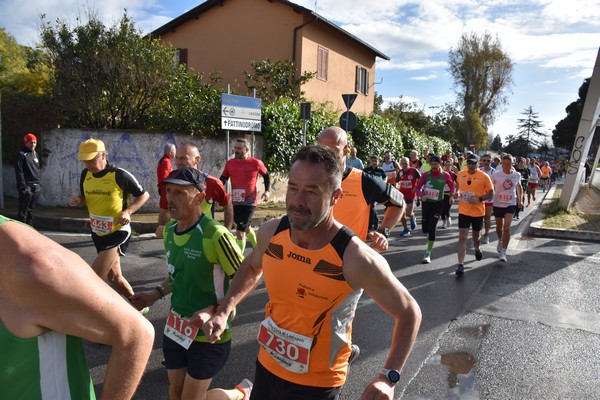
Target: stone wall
[[137, 152]]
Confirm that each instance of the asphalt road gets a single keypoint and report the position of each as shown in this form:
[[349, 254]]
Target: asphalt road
[[528, 329]]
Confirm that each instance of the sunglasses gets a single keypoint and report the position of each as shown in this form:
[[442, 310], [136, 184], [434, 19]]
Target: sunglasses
[[486, 160]]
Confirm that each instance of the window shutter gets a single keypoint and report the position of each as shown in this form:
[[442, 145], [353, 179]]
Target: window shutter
[[357, 84], [366, 81]]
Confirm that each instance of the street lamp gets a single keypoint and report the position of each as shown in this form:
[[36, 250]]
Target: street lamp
[[433, 108]]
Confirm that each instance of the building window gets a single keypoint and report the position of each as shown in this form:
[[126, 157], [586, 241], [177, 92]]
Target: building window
[[181, 56], [322, 63], [362, 80]]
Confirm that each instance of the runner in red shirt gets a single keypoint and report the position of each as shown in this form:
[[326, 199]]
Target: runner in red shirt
[[163, 169], [406, 181], [243, 171]]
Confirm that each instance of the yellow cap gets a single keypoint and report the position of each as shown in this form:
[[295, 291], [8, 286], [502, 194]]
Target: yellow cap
[[89, 149]]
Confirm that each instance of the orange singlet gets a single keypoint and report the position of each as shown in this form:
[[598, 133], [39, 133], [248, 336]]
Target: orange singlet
[[352, 210], [306, 336]]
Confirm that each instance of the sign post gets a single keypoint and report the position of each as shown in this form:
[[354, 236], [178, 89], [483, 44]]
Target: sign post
[[348, 119], [305, 116]]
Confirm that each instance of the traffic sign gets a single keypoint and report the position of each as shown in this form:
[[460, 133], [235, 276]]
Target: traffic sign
[[348, 121], [240, 113], [349, 100]]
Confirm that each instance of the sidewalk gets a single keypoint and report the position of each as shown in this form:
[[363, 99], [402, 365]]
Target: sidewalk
[[75, 219], [584, 230]]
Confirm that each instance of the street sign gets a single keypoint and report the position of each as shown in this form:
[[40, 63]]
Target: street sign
[[239, 124], [349, 100], [240, 113], [348, 121]]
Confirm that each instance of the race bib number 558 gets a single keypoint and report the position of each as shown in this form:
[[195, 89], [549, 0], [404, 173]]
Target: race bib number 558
[[291, 350]]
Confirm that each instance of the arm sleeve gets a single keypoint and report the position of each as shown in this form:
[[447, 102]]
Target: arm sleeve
[[19, 161], [449, 182], [420, 184], [226, 251], [164, 168], [128, 183], [267, 180], [377, 190], [215, 190], [225, 174], [81, 179]]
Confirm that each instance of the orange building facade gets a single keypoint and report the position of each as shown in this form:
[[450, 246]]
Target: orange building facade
[[225, 36]]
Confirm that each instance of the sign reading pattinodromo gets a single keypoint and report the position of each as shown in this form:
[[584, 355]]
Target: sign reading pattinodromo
[[240, 113]]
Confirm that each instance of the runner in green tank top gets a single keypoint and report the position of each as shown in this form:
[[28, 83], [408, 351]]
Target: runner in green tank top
[[202, 256], [49, 300]]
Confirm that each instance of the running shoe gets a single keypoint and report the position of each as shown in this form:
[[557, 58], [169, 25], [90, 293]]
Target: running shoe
[[534, 197], [405, 232], [502, 257], [426, 258], [449, 222], [517, 217], [413, 224], [499, 247], [443, 225], [145, 310], [478, 255], [245, 386], [485, 239], [355, 352], [460, 271]]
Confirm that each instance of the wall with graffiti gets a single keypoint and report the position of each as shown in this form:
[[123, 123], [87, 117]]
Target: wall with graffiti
[[137, 152]]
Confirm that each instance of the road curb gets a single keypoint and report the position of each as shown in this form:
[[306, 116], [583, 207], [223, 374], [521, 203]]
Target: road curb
[[536, 228]]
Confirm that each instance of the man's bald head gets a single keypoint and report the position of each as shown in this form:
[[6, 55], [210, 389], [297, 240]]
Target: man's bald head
[[336, 139], [187, 155]]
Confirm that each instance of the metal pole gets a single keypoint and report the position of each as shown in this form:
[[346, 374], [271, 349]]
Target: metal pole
[[347, 119], [304, 134], [252, 153], [227, 131], [1, 168]]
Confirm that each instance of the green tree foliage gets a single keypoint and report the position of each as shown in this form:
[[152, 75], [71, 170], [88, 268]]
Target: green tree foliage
[[282, 129], [478, 131], [448, 124], [496, 143], [105, 77], [517, 146], [375, 135], [24, 91], [529, 128], [565, 130], [403, 114], [275, 79], [482, 74], [189, 105]]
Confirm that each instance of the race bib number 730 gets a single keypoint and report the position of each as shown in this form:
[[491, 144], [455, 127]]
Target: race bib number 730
[[291, 350]]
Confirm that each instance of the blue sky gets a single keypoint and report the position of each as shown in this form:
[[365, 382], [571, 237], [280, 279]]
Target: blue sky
[[553, 43]]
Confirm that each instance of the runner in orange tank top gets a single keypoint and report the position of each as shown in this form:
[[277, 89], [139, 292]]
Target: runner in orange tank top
[[330, 267]]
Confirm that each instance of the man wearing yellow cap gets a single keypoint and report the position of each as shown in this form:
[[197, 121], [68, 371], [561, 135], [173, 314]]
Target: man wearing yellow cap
[[106, 189]]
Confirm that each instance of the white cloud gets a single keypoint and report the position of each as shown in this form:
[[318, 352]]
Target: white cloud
[[424, 78]]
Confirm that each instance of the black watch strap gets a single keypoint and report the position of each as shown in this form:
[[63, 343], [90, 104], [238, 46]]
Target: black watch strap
[[384, 231]]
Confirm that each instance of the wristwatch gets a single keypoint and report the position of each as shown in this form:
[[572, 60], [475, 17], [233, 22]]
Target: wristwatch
[[392, 375], [384, 231]]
